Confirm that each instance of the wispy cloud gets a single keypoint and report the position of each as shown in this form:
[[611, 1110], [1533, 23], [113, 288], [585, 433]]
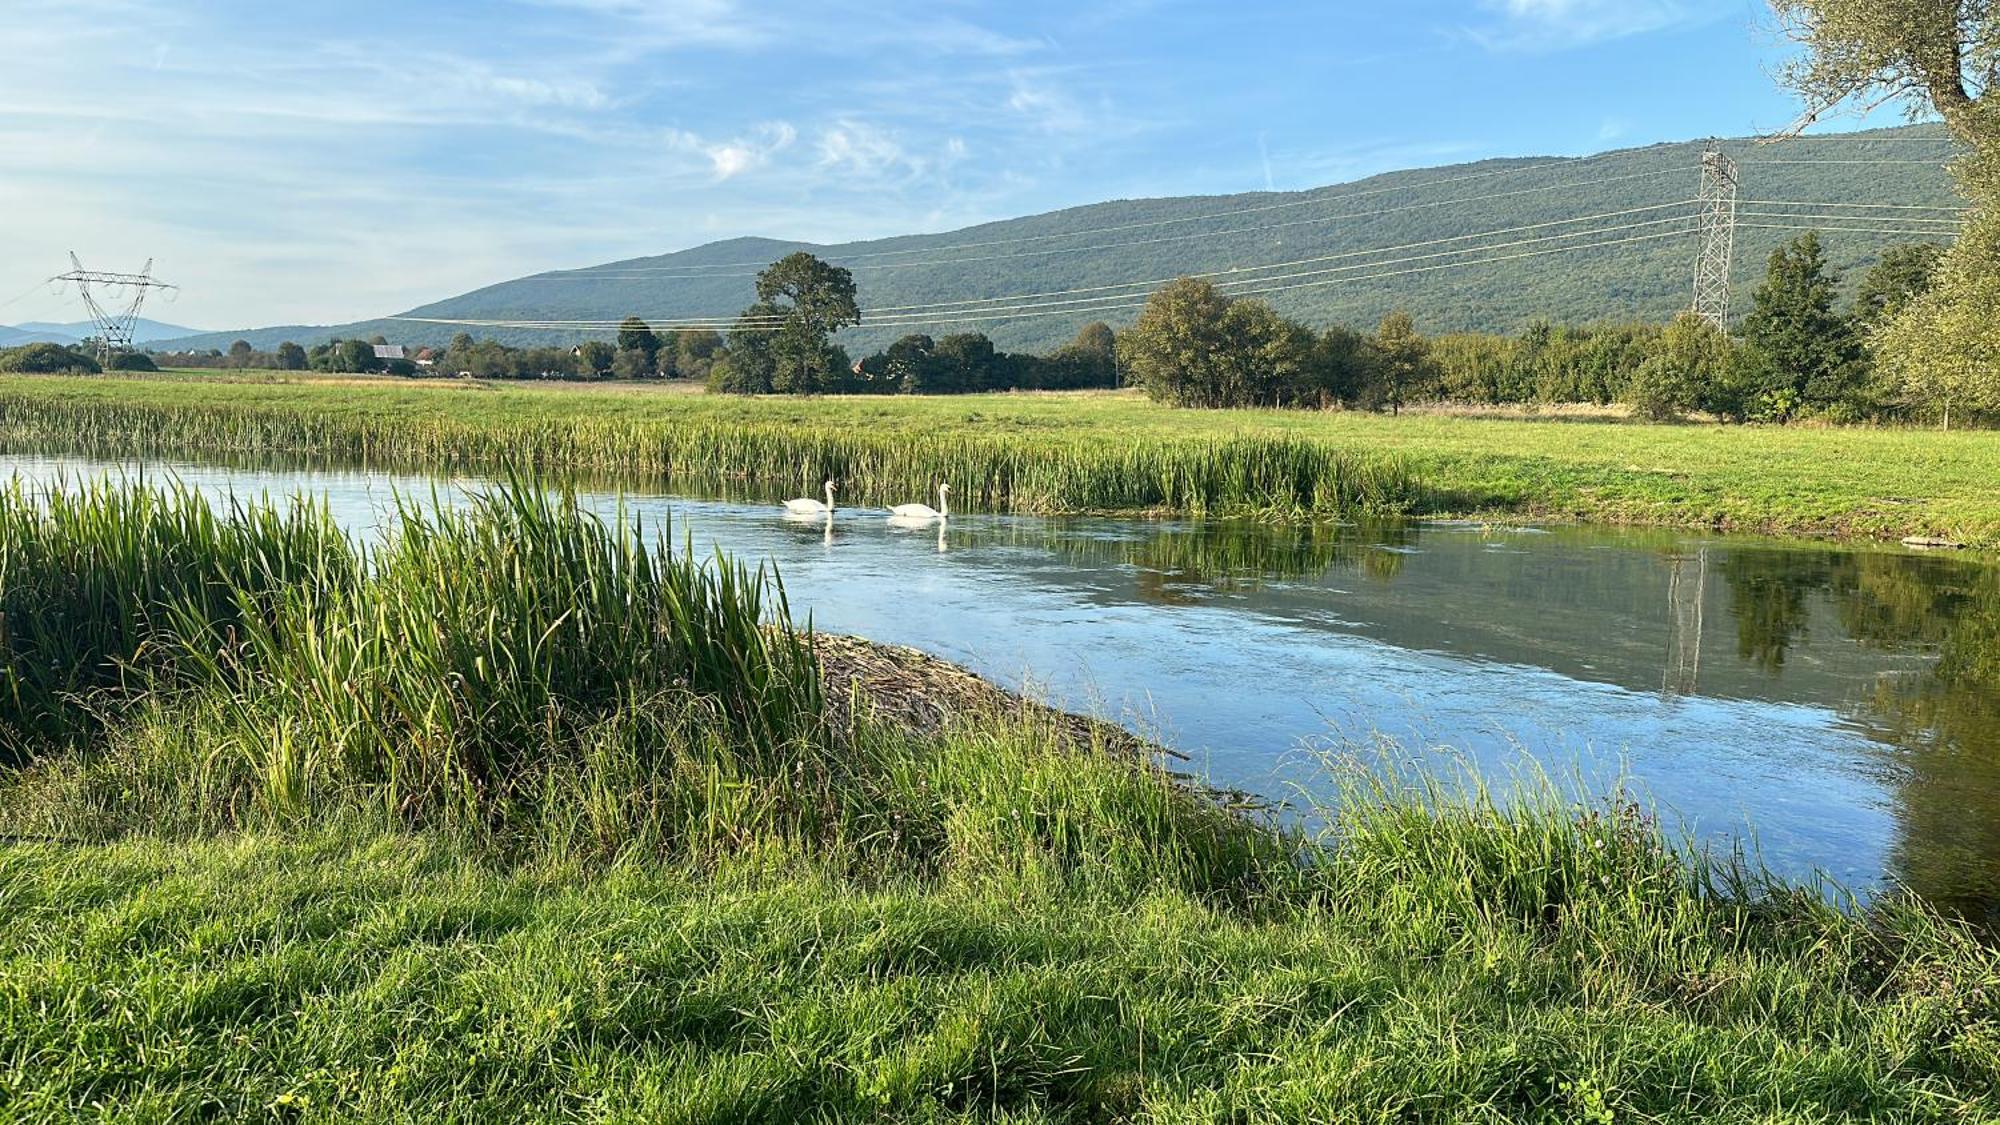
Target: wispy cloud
[[1556, 24]]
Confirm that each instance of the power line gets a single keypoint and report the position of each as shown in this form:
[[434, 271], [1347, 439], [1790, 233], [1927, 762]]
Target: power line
[[1135, 304], [1301, 261], [638, 273], [1125, 302], [896, 311], [1925, 163], [1866, 206], [1806, 216], [1846, 230]]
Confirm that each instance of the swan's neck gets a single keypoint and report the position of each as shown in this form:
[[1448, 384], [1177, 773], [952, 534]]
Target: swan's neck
[[944, 504]]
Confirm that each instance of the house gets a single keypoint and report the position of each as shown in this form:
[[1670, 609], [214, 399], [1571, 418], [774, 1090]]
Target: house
[[388, 352], [426, 357]]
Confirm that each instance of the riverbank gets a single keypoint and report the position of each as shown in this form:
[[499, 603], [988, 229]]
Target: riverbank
[[1081, 452], [514, 818]]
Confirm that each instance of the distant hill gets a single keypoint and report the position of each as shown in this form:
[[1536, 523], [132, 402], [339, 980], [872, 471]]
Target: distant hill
[[41, 331], [1113, 243]]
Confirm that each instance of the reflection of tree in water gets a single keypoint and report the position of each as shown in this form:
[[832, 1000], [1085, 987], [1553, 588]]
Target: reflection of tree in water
[[1230, 556], [1767, 597], [1945, 720]]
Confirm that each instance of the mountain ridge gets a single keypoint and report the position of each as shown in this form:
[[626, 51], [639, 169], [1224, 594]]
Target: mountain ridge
[[1420, 215], [144, 331]]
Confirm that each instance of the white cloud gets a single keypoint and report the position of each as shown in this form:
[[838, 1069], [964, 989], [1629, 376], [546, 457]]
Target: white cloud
[[731, 158], [1555, 24]]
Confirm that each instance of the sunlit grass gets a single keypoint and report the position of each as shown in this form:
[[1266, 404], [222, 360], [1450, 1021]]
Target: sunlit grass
[[525, 816], [1068, 452]]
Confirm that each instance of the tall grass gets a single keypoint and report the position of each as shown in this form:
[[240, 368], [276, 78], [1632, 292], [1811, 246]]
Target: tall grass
[[1038, 472], [94, 579]]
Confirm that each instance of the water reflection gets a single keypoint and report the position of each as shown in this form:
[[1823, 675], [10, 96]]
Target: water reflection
[[1845, 702], [1943, 716]]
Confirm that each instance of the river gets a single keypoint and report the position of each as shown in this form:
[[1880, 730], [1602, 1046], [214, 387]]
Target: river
[[1831, 708]]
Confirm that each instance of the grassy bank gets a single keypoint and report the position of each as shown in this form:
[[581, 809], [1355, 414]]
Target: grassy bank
[[1077, 452], [516, 818]]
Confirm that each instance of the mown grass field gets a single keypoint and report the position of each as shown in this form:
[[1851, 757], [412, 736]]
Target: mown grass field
[[519, 818], [1084, 451]]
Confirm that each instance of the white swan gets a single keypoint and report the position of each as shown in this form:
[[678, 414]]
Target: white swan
[[924, 512], [807, 506]]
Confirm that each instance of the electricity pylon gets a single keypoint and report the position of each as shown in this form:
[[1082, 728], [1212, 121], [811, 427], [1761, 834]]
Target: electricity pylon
[[114, 325], [1716, 221]]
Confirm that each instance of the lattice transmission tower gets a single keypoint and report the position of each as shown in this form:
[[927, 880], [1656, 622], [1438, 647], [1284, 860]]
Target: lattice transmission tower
[[1716, 223], [128, 293]]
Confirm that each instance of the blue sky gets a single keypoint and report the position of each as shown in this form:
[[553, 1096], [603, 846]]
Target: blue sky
[[328, 162]]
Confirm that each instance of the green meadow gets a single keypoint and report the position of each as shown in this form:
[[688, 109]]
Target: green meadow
[[1074, 452]]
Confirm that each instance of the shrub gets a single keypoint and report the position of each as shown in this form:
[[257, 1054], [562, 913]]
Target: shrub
[[48, 359], [132, 361]]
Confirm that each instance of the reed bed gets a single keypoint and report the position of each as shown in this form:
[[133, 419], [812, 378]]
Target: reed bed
[[524, 815], [1034, 472]]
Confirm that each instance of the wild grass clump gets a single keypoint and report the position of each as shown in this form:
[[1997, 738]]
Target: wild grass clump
[[95, 578]]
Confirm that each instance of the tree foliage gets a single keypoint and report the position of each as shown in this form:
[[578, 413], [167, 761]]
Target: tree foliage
[[784, 337], [1900, 276], [47, 359], [1403, 367], [1932, 56], [635, 335], [1941, 354], [1804, 353]]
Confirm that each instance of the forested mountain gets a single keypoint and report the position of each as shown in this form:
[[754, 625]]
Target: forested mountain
[[1382, 237]]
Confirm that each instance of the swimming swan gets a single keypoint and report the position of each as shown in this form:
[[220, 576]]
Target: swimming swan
[[924, 511], [807, 506]]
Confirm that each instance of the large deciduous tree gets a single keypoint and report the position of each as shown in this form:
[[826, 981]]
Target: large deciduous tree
[[801, 301], [1929, 56]]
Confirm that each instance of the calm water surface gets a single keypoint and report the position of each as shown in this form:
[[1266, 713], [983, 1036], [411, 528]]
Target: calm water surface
[[1845, 703]]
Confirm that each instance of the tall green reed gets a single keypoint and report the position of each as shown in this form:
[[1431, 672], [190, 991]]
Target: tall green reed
[[94, 578], [1014, 472]]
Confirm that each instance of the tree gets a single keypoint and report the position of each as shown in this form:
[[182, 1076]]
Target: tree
[[801, 301], [751, 364], [1402, 360], [695, 352], [1903, 274], [1343, 364], [1272, 359], [1176, 350], [344, 357], [241, 353], [130, 361], [47, 359], [1690, 360], [593, 358], [1941, 354], [1806, 354], [291, 357], [1095, 351], [1193, 346], [634, 335], [1932, 56], [962, 363], [632, 363]]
